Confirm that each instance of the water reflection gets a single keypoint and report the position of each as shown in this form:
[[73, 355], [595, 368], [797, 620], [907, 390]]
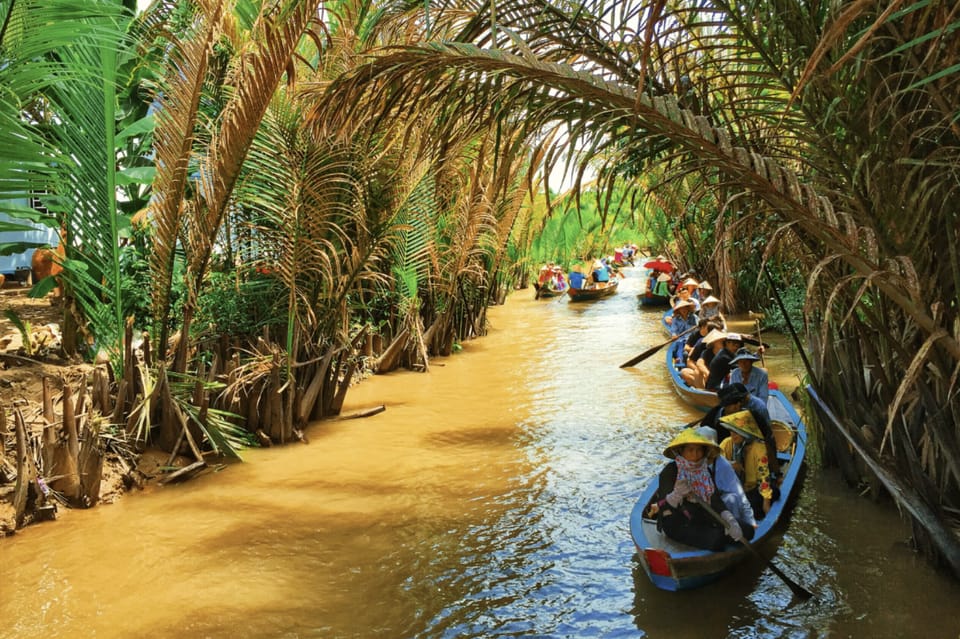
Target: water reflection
[[491, 499]]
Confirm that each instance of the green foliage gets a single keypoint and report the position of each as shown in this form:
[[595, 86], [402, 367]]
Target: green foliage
[[240, 308], [571, 233], [24, 328], [220, 427], [793, 297], [135, 278]]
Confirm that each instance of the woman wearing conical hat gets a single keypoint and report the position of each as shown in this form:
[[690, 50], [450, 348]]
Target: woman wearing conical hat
[[710, 309], [685, 484], [756, 379], [747, 452]]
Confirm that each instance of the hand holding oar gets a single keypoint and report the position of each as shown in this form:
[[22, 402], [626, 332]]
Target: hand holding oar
[[650, 351], [797, 589]]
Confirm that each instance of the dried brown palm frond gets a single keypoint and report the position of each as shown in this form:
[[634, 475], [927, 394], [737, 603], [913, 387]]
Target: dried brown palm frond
[[272, 42], [177, 118]]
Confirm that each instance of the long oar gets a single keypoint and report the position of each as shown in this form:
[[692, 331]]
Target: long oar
[[653, 349], [796, 588], [753, 341], [763, 362]]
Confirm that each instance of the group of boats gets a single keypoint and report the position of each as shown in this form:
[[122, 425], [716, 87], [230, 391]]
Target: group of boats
[[591, 291], [674, 566]]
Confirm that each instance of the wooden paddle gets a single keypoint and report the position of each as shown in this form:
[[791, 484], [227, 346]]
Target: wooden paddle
[[797, 589], [653, 349], [759, 339]]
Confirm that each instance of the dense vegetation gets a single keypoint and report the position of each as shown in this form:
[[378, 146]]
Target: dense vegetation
[[299, 181]]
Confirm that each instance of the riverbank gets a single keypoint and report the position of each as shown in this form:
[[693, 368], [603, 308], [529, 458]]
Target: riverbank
[[23, 370]]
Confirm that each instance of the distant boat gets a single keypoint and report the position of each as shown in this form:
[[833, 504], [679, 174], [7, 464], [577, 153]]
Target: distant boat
[[674, 566], [544, 292], [649, 299], [593, 291]]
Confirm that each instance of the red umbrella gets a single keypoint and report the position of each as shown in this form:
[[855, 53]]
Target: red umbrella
[[659, 265]]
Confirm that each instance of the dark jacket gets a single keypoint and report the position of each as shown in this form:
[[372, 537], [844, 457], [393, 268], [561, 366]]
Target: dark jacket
[[689, 523], [719, 369]]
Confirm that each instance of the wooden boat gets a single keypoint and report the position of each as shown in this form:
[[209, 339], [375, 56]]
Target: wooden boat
[[674, 566], [544, 292], [649, 299], [593, 291], [696, 397]]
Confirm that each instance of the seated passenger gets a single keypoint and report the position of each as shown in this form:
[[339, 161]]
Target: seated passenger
[[576, 277], [544, 275], [734, 398], [747, 453], [685, 294], [704, 291], [753, 377], [559, 282], [662, 287], [710, 308], [680, 321], [697, 368], [731, 490], [600, 271], [720, 367], [685, 484], [703, 328]]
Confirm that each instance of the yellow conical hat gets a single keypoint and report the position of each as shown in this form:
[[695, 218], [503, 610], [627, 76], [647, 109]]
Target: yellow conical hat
[[690, 436], [743, 423]]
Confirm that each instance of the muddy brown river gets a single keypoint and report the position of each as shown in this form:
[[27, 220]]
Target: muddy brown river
[[490, 499]]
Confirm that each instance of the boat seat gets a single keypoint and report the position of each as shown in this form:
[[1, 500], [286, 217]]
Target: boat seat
[[783, 434]]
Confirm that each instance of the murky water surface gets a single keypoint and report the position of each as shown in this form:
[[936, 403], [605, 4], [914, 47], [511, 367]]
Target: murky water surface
[[490, 499]]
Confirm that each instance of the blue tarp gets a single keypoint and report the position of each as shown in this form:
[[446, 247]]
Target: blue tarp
[[42, 235]]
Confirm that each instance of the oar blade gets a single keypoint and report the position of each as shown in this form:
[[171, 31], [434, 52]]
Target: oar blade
[[653, 349], [798, 591], [644, 355]]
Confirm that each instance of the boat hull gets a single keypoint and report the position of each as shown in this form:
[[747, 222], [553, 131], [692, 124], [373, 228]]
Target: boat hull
[[545, 292], [593, 292], [699, 398], [649, 299]]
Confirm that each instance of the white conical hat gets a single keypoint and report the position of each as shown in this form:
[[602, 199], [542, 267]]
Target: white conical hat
[[713, 336]]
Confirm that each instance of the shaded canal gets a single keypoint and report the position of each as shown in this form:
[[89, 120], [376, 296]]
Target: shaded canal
[[491, 499]]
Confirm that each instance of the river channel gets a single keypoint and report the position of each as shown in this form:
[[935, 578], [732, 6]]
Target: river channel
[[490, 499]]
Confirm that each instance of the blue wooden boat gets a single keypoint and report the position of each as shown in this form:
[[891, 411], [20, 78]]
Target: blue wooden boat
[[697, 397], [674, 566]]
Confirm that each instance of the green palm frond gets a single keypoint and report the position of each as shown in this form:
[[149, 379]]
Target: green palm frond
[[413, 245], [60, 67], [221, 428]]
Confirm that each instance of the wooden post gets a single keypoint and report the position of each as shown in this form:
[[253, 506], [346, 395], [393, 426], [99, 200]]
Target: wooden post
[[49, 445], [66, 458], [90, 464], [26, 471]]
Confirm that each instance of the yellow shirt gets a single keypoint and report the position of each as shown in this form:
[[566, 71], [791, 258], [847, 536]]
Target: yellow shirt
[[756, 469]]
